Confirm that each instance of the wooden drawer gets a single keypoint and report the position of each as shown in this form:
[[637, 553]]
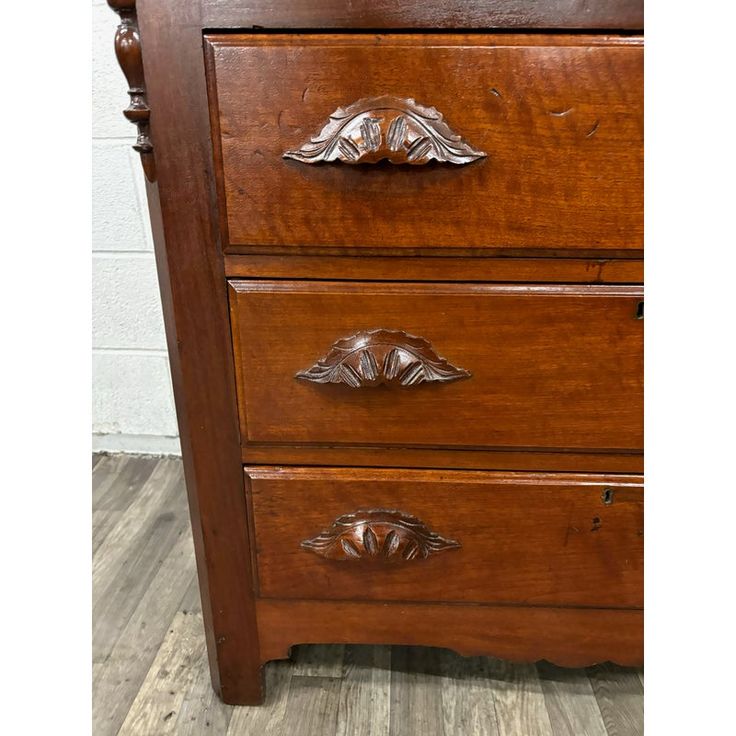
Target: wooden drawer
[[526, 143], [462, 366], [413, 535]]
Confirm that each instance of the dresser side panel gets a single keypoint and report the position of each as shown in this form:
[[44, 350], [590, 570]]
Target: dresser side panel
[[192, 282]]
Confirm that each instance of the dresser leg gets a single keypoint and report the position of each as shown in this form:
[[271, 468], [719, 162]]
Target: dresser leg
[[245, 687]]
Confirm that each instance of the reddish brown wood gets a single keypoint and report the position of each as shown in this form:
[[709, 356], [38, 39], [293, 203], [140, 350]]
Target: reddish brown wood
[[381, 536], [527, 539], [191, 277], [422, 14], [462, 252], [382, 358], [572, 637], [403, 457], [565, 372], [386, 128], [397, 268], [128, 51], [560, 118]]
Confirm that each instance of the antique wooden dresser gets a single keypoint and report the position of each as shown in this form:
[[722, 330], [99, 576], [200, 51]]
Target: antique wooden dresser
[[400, 254]]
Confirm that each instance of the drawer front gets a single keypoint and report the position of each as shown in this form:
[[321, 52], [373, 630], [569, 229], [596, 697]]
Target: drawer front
[[334, 533], [428, 142], [465, 366]]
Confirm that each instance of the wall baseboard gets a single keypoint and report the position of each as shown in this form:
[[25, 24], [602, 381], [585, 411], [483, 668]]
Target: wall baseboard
[[136, 444]]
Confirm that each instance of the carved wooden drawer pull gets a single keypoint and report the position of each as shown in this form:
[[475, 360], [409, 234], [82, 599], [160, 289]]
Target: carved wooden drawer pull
[[375, 128], [375, 357], [380, 535]]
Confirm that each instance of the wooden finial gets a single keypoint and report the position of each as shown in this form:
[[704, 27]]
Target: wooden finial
[[128, 52]]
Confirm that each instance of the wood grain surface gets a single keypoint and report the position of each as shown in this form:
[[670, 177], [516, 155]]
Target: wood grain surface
[[527, 539], [398, 268], [414, 457], [560, 118], [571, 637], [421, 14], [551, 366], [554, 351], [191, 279]]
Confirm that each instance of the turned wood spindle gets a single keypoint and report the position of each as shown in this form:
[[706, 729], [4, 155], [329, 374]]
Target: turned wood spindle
[[128, 52]]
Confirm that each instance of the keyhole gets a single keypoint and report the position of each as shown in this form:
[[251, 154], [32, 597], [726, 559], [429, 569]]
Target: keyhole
[[639, 310], [607, 496]]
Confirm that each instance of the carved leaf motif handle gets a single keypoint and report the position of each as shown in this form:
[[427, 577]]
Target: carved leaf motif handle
[[378, 535], [375, 128], [375, 357]]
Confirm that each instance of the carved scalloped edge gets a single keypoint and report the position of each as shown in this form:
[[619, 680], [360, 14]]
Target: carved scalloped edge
[[541, 653], [385, 535], [485, 632], [433, 138], [381, 356], [128, 52]]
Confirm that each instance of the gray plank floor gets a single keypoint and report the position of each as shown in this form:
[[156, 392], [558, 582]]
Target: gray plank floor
[[150, 674]]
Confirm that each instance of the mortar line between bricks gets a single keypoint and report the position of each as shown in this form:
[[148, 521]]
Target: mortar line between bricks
[[152, 352], [111, 253]]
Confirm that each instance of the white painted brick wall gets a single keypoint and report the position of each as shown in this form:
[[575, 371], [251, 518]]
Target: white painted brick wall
[[133, 407]]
